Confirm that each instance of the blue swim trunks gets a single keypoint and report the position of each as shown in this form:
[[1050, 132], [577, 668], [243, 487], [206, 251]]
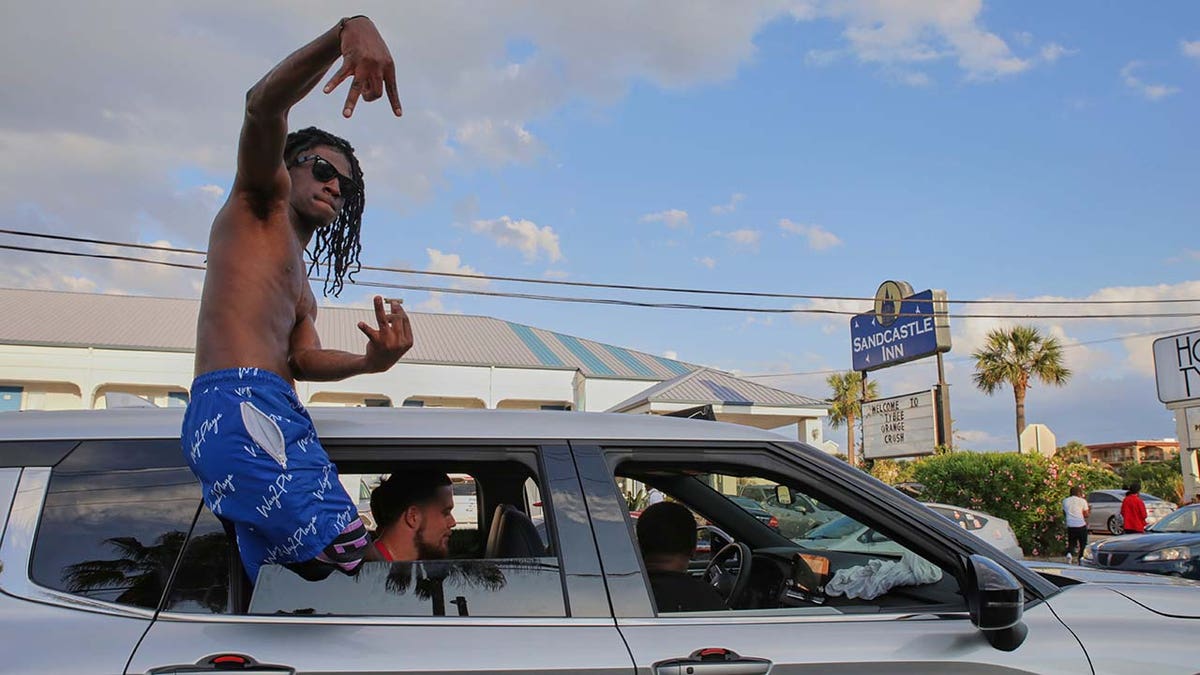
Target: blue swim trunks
[[249, 440]]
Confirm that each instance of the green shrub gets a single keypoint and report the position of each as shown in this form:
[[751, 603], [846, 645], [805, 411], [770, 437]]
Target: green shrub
[[1161, 479], [891, 471], [1026, 490]]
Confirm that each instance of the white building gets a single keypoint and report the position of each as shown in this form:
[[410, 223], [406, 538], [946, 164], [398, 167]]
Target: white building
[[63, 350]]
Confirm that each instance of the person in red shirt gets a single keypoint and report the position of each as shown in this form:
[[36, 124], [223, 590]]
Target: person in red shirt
[[1133, 510], [412, 512]]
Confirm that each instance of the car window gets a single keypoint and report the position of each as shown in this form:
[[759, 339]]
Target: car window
[[518, 575], [1101, 498], [115, 518], [845, 564], [1183, 520]]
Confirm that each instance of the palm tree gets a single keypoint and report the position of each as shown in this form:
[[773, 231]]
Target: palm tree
[[1015, 355], [845, 405]]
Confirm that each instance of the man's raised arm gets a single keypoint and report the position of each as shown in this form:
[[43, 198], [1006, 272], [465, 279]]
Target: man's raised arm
[[365, 59]]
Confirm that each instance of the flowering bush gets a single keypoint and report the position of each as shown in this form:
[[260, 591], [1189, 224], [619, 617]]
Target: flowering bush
[[1026, 490]]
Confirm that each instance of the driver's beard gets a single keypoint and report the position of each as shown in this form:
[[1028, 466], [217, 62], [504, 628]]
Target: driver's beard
[[425, 550]]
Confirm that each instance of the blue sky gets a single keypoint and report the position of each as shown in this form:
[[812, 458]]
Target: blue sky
[[995, 150]]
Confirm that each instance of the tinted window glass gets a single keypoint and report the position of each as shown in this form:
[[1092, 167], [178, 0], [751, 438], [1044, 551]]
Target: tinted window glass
[[526, 587], [115, 518], [202, 582]]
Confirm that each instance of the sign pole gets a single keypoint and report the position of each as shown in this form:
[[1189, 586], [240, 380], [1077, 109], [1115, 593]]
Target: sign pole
[[944, 423], [1189, 439], [862, 442]]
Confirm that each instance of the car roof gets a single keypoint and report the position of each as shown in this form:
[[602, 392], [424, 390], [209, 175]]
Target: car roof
[[391, 423]]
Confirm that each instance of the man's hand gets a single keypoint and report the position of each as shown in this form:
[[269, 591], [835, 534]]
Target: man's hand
[[387, 343], [366, 58]]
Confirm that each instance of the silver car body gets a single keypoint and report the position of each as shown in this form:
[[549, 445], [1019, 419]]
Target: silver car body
[[610, 625], [1105, 505]]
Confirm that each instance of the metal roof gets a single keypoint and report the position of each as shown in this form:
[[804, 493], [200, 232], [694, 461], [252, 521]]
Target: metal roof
[[705, 385], [424, 424], [57, 318]]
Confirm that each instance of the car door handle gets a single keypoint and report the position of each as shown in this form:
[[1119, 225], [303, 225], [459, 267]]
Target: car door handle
[[713, 661], [224, 663]]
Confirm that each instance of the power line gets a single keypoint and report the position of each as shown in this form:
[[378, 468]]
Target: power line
[[616, 301], [959, 359], [608, 286]]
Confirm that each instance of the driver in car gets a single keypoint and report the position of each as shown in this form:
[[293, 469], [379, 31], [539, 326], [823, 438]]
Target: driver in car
[[666, 533]]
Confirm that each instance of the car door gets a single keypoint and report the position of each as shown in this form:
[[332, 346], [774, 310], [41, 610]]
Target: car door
[[547, 614], [799, 640], [1103, 506]]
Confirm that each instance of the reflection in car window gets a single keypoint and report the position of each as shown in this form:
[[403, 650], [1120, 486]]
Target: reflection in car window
[[115, 518], [201, 584], [513, 587]]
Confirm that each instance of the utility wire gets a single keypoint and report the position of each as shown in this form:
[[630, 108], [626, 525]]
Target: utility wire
[[618, 302], [625, 287], [959, 359]]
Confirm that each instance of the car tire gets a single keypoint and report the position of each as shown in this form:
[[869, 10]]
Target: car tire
[[1115, 526]]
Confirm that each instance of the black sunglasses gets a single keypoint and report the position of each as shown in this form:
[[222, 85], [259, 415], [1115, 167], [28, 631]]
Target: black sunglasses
[[324, 171]]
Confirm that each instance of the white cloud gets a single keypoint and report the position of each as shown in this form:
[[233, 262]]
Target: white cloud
[[557, 275], [498, 142], [672, 218], [899, 34], [730, 206], [1051, 52], [523, 235], [708, 262], [670, 354], [451, 263], [819, 239], [1190, 48], [974, 439], [1152, 92], [745, 237]]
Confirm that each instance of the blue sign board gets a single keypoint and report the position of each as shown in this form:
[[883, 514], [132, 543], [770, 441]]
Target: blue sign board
[[902, 329]]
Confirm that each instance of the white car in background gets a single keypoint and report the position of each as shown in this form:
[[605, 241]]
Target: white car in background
[[846, 534]]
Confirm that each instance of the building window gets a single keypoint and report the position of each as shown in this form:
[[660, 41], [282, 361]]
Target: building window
[[10, 398]]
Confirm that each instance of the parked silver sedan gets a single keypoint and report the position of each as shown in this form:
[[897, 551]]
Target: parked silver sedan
[[1106, 510]]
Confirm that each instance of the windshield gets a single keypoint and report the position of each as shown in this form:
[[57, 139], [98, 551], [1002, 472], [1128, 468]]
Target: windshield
[[1183, 520], [838, 528]]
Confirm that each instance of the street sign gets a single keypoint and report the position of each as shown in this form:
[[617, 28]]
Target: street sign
[[1177, 367], [900, 329], [900, 426]]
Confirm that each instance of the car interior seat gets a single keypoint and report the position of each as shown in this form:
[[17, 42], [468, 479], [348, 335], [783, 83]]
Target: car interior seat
[[513, 535]]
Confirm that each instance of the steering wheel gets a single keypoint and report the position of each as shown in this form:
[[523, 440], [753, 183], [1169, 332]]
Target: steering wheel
[[731, 584]]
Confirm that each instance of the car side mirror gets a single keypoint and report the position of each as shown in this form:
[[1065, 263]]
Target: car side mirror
[[783, 495], [996, 601]]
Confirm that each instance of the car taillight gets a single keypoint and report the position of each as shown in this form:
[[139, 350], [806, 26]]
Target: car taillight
[[773, 522]]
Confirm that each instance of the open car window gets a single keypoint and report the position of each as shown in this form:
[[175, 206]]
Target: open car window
[[503, 564], [806, 556]]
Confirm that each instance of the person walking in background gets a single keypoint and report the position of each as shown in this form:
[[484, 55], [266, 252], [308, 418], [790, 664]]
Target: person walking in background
[[1133, 510], [1076, 510]]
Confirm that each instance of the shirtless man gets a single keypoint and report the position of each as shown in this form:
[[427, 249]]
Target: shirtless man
[[246, 435]]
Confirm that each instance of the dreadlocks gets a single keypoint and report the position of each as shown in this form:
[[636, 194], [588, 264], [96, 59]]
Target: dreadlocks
[[335, 247]]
